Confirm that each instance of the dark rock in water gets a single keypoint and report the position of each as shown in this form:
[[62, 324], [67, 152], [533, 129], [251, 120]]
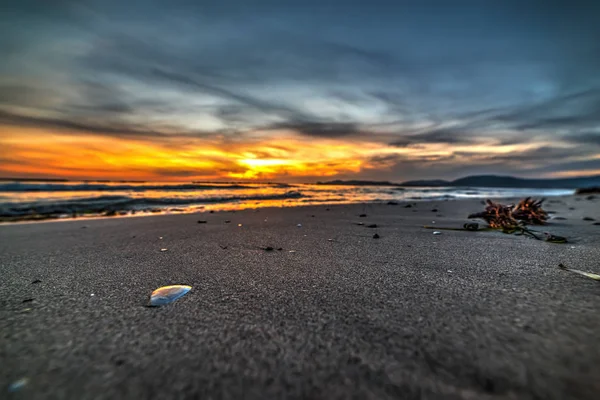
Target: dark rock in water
[[590, 198], [559, 218], [279, 248], [312, 216], [201, 221], [375, 236], [27, 301], [211, 212], [110, 213], [588, 190], [408, 206], [588, 219], [36, 281], [362, 215], [438, 215], [372, 226], [571, 208], [392, 203], [327, 209], [227, 221], [434, 210], [596, 223], [268, 248]]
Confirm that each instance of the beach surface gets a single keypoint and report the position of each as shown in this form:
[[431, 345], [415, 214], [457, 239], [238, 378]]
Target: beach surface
[[334, 314]]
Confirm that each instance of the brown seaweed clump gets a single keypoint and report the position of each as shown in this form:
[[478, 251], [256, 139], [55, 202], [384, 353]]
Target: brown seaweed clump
[[511, 217], [530, 212], [498, 216]]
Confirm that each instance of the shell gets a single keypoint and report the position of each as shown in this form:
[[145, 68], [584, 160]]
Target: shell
[[168, 294]]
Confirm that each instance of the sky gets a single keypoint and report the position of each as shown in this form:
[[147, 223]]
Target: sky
[[298, 91]]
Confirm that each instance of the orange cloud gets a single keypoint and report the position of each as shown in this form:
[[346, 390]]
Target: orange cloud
[[33, 153]]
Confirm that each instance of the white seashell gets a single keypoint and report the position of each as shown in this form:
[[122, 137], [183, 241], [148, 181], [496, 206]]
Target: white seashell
[[168, 294]]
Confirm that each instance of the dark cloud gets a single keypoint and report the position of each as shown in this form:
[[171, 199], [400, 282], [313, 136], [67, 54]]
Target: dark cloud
[[97, 127], [323, 130], [439, 135]]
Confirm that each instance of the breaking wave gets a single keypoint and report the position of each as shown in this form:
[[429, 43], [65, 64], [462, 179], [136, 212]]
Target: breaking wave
[[116, 204]]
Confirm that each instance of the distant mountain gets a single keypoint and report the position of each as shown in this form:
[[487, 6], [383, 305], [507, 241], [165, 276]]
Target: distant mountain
[[510, 181], [486, 181], [513, 182]]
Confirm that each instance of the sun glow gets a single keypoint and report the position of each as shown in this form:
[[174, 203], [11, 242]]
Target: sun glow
[[37, 153]]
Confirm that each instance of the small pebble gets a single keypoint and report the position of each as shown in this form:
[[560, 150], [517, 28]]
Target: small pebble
[[92, 295], [292, 251], [17, 385], [163, 250], [437, 232], [201, 221], [375, 236], [299, 225], [239, 224]]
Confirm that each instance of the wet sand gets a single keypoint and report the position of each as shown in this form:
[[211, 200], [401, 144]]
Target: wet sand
[[334, 314]]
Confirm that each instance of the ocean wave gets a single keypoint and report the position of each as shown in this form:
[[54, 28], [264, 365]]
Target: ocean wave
[[115, 204], [101, 187]]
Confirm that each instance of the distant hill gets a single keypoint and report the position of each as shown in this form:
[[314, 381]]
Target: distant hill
[[486, 181], [511, 181]]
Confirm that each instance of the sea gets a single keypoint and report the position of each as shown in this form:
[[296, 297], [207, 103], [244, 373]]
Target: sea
[[33, 200]]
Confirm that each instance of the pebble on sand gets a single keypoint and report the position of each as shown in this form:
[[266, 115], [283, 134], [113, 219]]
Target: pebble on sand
[[437, 232], [17, 385]]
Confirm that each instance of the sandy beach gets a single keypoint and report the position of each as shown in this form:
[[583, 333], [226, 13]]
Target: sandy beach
[[334, 314]]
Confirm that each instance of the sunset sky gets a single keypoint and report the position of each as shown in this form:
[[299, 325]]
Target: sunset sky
[[299, 90]]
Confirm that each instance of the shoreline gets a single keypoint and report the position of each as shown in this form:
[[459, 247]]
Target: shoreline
[[232, 208]]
